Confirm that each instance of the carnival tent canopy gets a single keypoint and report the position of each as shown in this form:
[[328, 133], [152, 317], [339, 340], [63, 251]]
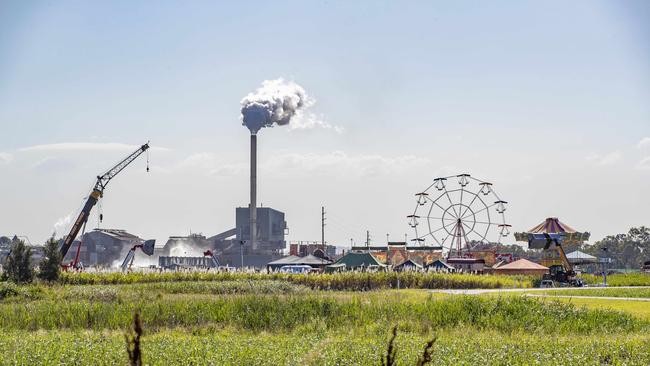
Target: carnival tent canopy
[[553, 225], [522, 266]]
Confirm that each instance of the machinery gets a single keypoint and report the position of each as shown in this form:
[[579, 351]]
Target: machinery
[[95, 195], [215, 260], [146, 247], [563, 273]]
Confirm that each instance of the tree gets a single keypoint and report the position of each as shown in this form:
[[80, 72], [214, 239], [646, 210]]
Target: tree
[[18, 263], [626, 250], [50, 266]]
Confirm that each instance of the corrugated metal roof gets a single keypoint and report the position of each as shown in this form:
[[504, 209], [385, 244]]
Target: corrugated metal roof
[[285, 260]]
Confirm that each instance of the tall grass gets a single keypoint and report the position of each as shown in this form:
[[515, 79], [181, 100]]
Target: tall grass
[[330, 347], [282, 313], [355, 281], [620, 279]]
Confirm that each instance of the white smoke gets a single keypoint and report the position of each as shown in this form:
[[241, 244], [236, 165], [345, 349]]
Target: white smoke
[[275, 102], [63, 223]]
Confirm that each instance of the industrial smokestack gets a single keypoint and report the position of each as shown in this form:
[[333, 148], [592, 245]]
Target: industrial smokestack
[[252, 208], [274, 103]]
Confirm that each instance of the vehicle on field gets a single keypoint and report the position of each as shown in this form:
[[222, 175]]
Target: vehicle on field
[[546, 284], [296, 269]]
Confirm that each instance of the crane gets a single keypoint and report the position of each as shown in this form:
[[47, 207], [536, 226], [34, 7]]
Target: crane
[[95, 195]]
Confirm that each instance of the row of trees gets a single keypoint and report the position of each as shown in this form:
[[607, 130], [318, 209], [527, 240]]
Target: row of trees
[[628, 250], [18, 267]]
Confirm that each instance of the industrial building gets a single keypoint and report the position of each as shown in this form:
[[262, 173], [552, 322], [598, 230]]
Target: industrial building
[[232, 246], [102, 247], [302, 249]]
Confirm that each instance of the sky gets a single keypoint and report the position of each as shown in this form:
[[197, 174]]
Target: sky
[[548, 100]]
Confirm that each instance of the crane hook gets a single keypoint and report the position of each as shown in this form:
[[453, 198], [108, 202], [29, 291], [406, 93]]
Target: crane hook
[[147, 161]]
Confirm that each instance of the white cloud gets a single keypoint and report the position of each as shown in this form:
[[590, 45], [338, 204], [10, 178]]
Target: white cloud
[[340, 162], [607, 159], [310, 121], [645, 142], [6, 158], [211, 164], [644, 164], [86, 146], [332, 163]]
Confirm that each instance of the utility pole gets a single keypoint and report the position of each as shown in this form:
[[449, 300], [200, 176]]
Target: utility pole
[[322, 227], [387, 239], [367, 238]]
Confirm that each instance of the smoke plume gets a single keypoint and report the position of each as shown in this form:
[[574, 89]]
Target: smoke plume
[[275, 102]]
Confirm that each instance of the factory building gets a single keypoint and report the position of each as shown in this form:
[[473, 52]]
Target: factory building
[[233, 245], [102, 247], [303, 249]]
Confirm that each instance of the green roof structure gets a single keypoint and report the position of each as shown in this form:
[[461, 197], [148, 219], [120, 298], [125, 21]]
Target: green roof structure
[[353, 260]]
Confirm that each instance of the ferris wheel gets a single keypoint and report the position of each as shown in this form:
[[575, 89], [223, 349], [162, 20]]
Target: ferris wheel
[[458, 213]]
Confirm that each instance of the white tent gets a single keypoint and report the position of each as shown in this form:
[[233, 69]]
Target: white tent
[[579, 257]]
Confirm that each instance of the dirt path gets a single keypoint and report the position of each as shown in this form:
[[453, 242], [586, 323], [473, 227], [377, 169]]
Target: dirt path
[[590, 297], [499, 290]]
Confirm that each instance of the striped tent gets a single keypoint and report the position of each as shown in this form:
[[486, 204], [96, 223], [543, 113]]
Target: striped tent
[[553, 225]]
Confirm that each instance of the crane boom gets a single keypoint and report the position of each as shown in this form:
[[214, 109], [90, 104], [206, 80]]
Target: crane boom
[[95, 195]]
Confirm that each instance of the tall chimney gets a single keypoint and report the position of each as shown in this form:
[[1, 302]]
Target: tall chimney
[[253, 204]]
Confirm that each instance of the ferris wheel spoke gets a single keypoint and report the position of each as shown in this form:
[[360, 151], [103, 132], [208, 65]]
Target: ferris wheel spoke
[[477, 233], [470, 205], [451, 204], [435, 238], [437, 204], [437, 198], [445, 239], [440, 218], [443, 227], [479, 211], [462, 189], [487, 223]]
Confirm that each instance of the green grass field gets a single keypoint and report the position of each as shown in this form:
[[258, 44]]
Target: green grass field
[[643, 293], [274, 321]]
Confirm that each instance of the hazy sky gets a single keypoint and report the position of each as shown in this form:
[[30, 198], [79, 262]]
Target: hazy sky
[[549, 100]]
